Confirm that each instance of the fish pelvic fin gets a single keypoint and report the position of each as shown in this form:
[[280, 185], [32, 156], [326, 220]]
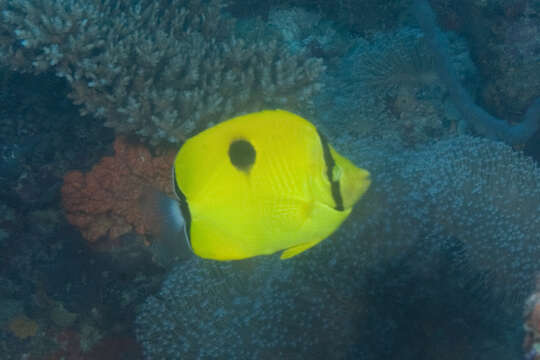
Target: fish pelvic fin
[[295, 250]]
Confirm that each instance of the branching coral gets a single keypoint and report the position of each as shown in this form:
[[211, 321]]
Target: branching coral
[[105, 203], [159, 69], [302, 29]]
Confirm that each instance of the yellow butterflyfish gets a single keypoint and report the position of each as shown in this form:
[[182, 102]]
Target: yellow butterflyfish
[[261, 183]]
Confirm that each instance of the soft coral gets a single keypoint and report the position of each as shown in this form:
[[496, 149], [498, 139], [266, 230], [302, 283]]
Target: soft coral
[[104, 203]]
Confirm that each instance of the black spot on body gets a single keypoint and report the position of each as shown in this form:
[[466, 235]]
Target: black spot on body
[[242, 154]]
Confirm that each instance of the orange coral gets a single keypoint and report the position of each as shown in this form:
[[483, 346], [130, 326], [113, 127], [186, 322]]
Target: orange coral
[[23, 327], [105, 202]]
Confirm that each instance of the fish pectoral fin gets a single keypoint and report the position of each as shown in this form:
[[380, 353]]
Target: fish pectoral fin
[[295, 250]]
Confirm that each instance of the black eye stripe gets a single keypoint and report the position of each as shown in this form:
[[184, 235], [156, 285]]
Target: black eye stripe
[[177, 190], [183, 205], [330, 164]]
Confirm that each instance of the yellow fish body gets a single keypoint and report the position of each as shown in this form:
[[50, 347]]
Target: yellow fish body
[[260, 183]]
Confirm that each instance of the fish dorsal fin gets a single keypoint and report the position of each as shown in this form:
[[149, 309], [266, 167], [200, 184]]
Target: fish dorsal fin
[[295, 250]]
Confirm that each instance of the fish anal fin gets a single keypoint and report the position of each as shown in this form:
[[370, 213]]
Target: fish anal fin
[[295, 250]]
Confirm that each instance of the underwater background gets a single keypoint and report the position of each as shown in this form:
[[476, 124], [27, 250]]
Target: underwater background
[[438, 99]]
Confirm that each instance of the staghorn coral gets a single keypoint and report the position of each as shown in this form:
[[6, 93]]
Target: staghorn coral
[[104, 203], [158, 69], [451, 229], [305, 30], [358, 17]]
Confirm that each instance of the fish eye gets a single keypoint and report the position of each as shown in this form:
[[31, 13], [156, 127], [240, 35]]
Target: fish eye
[[242, 154]]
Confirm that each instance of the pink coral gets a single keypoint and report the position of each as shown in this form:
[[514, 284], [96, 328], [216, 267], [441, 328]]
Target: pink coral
[[105, 202]]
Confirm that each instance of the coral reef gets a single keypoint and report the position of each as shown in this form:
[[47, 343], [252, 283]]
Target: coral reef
[[504, 43], [434, 263], [42, 136], [456, 220], [10, 308], [7, 223], [304, 30], [73, 345], [387, 86], [62, 317], [476, 190], [514, 64], [105, 202], [358, 17], [23, 327], [259, 308], [483, 122], [155, 73]]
